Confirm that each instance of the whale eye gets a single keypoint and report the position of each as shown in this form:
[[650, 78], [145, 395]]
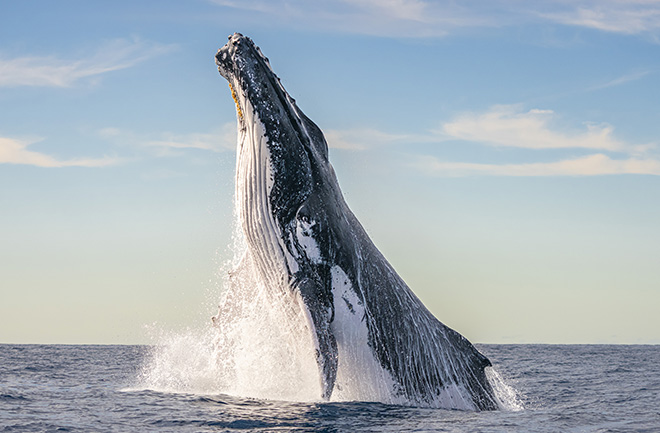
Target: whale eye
[[305, 222]]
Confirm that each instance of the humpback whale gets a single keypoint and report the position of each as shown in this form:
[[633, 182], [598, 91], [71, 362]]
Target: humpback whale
[[306, 244]]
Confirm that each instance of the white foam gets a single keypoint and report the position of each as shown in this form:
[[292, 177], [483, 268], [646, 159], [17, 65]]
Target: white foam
[[259, 346], [182, 362]]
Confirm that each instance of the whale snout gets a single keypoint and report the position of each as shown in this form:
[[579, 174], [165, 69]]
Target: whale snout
[[220, 61], [224, 56]]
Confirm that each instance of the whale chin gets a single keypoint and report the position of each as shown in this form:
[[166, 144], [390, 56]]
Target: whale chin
[[315, 261]]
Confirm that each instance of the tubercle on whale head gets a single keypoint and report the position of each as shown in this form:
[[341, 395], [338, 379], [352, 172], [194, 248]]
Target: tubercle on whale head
[[237, 46]]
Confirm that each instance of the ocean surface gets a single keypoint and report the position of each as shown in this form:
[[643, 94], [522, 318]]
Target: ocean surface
[[563, 388]]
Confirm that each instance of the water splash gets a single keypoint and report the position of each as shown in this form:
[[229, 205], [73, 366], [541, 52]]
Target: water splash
[[182, 362], [258, 344], [508, 398], [258, 347]]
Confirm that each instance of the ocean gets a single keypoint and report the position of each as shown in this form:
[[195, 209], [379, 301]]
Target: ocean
[[560, 388]]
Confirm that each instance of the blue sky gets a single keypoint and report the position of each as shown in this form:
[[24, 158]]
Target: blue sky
[[504, 156]]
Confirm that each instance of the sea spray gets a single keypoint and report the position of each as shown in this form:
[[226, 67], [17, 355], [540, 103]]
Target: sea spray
[[254, 348], [263, 341], [257, 345], [182, 362], [248, 352]]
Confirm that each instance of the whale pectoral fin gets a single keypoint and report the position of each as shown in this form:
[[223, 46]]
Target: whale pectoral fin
[[320, 307]]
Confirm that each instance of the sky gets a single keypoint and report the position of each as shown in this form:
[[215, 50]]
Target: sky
[[503, 155]]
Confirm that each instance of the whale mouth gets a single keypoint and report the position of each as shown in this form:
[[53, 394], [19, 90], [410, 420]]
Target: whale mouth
[[235, 98], [223, 59]]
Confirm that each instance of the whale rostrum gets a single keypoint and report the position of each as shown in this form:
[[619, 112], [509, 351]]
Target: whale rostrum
[[306, 244]]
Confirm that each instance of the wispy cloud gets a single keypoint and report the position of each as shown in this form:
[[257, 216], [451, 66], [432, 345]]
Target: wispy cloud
[[410, 10], [13, 151], [509, 126], [167, 144], [366, 138], [51, 71], [617, 16], [391, 18], [634, 76], [532, 131], [591, 165], [426, 18], [214, 142], [501, 126]]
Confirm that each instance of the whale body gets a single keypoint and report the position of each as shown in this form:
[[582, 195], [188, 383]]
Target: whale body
[[306, 244]]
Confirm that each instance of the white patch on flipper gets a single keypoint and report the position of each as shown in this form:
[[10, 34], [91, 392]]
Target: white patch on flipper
[[360, 377], [452, 396]]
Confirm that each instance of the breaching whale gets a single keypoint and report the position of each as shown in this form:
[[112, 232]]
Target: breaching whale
[[306, 243]]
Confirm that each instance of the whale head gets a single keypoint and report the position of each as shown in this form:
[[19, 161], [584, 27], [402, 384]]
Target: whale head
[[293, 147]]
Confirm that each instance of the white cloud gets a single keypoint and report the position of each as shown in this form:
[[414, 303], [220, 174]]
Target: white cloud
[[426, 18], [634, 76], [507, 125], [617, 16], [591, 165], [390, 18], [50, 71], [501, 126], [411, 10], [220, 140], [510, 126], [214, 142], [365, 138], [14, 151], [173, 144]]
